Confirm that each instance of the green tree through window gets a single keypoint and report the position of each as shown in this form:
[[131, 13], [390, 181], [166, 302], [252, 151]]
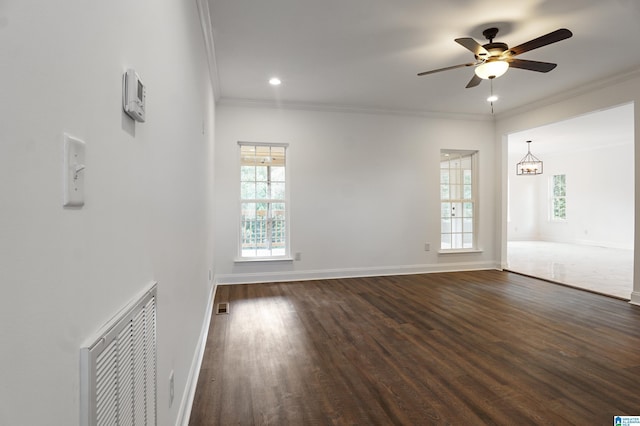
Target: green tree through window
[[559, 197]]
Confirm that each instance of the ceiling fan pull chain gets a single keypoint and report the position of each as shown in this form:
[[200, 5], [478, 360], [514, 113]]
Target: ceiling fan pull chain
[[491, 97]]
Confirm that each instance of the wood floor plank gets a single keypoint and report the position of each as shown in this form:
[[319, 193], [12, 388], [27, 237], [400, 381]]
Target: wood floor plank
[[481, 347]]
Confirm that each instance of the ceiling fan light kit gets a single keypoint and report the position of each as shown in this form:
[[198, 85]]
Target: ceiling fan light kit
[[494, 59], [491, 69]]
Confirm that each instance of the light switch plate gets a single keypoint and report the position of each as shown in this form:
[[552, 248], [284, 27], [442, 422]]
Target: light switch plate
[[74, 156]]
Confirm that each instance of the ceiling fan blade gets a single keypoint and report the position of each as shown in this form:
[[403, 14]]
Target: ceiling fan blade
[[470, 64], [473, 46], [475, 80], [531, 65], [544, 40]]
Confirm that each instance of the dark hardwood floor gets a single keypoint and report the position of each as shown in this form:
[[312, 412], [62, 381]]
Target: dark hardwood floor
[[463, 348]]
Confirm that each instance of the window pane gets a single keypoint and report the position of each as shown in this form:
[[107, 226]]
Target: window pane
[[444, 176], [444, 192], [467, 177], [248, 229], [277, 174], [445, 210], [260, 237], [262, 190], [263, 154], [454, 177], [277, 210], [247, 173], [261, 173], [468, 210], [559, 186], [467, 240], [247, 155], [278, 228], [467, 192], [456, 225], [456, 209], [445, 241], [248, 211], [277, 191], [455, 192], [559, 208], [445, 225], [247, 190], [456, 241], [558, 200], [467, 225], [277, 156]]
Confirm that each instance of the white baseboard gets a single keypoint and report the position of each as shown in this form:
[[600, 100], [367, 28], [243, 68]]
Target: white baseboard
[[184, 412], [635, 298], [280, 276]]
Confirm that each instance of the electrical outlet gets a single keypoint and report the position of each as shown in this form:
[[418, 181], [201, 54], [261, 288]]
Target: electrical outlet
[[298, 256], [171, 391], [427, 246]]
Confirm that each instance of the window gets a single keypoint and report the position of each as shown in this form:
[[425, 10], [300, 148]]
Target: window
[[263, 201], [558, 192], [458, 204]]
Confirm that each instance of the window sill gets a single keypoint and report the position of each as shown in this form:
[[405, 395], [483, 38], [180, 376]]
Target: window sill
[[460, 251], [262, 259]]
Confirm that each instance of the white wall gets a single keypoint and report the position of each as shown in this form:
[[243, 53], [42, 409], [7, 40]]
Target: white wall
[[617, 91], [364, 191], [65, 272]]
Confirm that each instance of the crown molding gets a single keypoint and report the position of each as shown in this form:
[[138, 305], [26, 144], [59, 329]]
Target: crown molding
[[353, 109], [209, 45], [571, 93]]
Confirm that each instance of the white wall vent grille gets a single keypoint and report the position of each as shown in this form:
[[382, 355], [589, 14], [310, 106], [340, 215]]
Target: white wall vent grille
[[118, 371]]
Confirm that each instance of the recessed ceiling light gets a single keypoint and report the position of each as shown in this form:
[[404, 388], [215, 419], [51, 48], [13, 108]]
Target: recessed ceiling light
[[275, 81], [492, 98]]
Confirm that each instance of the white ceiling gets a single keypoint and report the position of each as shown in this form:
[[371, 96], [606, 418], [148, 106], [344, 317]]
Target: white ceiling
[[365, 54], [609, 127]]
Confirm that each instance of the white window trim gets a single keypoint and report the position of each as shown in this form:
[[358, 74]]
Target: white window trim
[[460, 251], [287, 256]]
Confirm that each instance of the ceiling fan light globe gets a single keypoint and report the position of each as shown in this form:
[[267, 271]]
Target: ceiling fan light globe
[[493, 69]]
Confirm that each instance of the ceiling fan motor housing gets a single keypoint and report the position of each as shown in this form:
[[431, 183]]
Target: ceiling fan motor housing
[[495, 50]]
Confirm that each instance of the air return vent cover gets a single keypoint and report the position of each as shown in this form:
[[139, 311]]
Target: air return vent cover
[[118, 370]]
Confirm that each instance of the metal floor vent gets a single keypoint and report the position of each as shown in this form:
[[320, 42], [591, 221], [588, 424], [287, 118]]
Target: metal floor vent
[[118, 371], [222, 308]]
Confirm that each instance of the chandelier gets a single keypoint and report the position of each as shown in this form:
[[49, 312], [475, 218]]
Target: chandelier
[[530, 164]]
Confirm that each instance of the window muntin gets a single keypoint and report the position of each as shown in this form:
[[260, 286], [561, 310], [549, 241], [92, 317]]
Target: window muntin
[[263, 201], [558, 196], [458, 204]]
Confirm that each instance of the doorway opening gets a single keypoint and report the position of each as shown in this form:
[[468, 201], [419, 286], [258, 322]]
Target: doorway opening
[[574, 223]]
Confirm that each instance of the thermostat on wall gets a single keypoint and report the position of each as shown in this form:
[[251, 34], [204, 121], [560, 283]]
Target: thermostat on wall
[[133, 95]]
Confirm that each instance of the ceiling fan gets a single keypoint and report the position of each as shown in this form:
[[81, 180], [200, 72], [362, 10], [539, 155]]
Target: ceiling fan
[[494, 59]]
